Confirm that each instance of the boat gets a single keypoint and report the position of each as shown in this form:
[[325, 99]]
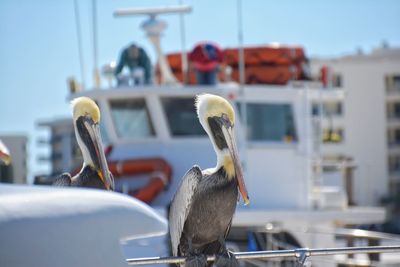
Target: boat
[[153, 137], [47, 226], [149, 122]]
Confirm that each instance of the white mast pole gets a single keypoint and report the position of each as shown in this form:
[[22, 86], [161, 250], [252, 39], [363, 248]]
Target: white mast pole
[[96, 74], [79, 37], [184, 57], [242, 81]]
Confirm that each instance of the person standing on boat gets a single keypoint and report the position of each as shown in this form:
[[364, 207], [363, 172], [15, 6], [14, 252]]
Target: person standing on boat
[[136, 59], [205, 59]]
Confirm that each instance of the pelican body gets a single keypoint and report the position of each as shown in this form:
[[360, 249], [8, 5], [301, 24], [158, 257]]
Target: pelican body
[[94, 172], [202, 209]]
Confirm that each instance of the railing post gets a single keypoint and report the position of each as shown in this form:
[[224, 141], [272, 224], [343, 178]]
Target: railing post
[[373, 256], [301, 255]]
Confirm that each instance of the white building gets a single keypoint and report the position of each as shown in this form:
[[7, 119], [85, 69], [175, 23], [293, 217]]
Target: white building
[[17, 145], [65, 154], [370, 124]]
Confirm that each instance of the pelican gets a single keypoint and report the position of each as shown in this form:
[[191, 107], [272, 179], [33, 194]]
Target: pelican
[[94, 172], [5, 156], [202, 209]]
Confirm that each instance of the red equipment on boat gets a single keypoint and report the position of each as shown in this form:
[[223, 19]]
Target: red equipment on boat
[[159, 170], [263, 65]]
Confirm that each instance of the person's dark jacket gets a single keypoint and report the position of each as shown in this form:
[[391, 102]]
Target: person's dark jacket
[[141, 61]]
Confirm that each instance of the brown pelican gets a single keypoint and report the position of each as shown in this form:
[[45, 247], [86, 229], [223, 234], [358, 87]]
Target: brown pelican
[[202, 209], [94, 172], [4, 154]]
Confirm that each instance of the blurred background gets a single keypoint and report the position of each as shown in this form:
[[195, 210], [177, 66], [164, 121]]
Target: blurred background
[[343, 57], [39, 46]]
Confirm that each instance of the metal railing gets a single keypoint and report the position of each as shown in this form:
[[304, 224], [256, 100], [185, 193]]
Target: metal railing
[[301, 254]]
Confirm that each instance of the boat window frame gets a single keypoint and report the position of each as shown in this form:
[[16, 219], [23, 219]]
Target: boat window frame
[[263, 143], [129, 139], [161, 99]]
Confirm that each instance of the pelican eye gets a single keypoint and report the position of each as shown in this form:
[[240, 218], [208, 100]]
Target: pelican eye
[[88, 118], [226, 120]]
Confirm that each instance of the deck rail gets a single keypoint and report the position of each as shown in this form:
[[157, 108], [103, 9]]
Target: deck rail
[[301, 254]]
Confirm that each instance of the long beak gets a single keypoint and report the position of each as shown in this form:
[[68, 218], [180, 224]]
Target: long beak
[[95, 147], [231, 142]]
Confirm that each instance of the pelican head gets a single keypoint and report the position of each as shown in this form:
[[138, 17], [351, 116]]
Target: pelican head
[[217, 117], [86, 116]]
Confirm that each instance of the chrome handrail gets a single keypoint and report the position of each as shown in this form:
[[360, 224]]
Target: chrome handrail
[[300, 253]]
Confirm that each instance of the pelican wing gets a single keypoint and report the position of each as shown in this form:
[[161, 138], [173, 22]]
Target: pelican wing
[[180, 205], [63, 180]]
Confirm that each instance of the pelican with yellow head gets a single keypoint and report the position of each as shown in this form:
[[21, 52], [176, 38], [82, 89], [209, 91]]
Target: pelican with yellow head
[[94, 172], [202, 209]]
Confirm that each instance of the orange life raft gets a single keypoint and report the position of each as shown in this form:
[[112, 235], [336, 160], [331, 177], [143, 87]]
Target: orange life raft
[[264, 65], [160, 175]]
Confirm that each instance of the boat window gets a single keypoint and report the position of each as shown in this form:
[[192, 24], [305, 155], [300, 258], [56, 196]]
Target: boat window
[[104, 134], [103, 129], [182, 117], [270, 122], [131, 118]]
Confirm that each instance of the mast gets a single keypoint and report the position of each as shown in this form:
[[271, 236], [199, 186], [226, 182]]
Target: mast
[[184, 57], [96, 74], [242, 81], [79, 38]]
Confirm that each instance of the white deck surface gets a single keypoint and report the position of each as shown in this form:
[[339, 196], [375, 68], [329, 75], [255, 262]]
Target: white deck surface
[[355, 215], [47, 226]]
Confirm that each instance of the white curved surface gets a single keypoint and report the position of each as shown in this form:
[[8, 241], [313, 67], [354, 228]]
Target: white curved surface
[[47, 226]]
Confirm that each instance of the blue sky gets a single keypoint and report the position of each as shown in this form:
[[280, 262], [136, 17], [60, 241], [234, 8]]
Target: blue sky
[[38, 43]]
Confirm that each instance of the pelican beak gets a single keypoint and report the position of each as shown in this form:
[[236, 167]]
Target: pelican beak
[[228, 132], [90, 135]]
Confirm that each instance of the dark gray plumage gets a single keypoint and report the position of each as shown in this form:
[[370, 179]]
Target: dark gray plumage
[[88, 177], [204, 221]]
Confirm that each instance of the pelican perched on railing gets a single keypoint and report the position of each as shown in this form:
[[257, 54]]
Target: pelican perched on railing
[[94, 172], [202, 209]]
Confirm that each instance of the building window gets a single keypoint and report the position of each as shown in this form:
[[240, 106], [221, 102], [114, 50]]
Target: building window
[[270, 122], [394, 164], [332, 108], [393, 136], [394, 188], [397, 110], [392, 83], [182, 117], [393, 110], [76, 151], [131, 118], [331, 135]]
